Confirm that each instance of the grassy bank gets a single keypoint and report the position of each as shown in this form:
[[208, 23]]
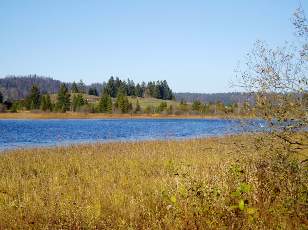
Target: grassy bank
[[143, 101], [76, 115], [223, 183]]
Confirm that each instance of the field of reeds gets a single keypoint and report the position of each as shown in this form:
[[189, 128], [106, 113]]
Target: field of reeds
[[235, 182]]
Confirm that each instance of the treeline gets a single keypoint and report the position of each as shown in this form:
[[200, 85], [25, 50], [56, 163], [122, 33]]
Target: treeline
[[70, 97], [116, 96], [75, 99], [18, 87], [158, 89], [226, 98], [199, 108], [67, 100]]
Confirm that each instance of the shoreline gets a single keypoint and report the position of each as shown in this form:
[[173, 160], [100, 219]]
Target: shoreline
[[89, 144], [73, 115]]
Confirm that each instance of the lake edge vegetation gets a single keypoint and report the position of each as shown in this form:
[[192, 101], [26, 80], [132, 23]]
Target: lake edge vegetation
[[121, 97]]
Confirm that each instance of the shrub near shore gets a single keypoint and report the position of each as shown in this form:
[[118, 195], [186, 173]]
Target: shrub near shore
[[225, 182]]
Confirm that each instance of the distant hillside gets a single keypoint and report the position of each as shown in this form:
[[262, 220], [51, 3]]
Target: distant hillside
[[18, 87], [226, 98], [144, 102]]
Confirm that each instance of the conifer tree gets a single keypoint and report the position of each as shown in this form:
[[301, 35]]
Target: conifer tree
[[122, 103], [34, 99], [105, 104], [93, 91], [138, 91], [46, 104], [196, 106], [156, 92], [14, 108], [81, 87], [131, 88], [110, 87], [63, 99], [75, 88], [163, 105], [77, 102]]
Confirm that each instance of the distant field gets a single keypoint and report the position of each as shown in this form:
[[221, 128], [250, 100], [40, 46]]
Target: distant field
[[216, 183], [90, 98], [144, 102]]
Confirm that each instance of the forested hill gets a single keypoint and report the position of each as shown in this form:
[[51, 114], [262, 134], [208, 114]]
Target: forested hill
[[18, 87], [226, 98]]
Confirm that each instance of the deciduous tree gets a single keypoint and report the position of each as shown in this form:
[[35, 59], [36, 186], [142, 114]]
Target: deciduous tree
[[278, 78]]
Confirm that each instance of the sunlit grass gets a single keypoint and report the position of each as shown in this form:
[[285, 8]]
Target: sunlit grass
[[152, 102], [208, 183], [143, 101]]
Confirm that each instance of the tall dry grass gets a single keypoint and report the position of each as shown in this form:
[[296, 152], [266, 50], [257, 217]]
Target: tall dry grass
[[216, 183]]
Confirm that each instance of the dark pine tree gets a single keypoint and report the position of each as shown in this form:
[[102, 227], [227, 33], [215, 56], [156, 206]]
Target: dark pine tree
[[131, 88], [46, 104], [138, 90], [156, 92], [162, 106], [81, 87], [75, 88], [196, 106], [110, 88], [63, 99], [166, 92], [33, 101], [122, 103], [105, 104], [93, 91]]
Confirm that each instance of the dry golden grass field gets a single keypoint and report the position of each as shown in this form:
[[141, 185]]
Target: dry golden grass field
[[234, 182]]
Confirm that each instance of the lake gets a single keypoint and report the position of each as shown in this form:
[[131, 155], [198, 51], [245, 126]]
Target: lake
[[40, 133]]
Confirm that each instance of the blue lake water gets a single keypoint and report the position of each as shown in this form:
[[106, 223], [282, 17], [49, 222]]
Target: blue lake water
[[39, 133]]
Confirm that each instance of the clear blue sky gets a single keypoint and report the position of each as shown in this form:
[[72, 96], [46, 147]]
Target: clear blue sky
[[194, 45]]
